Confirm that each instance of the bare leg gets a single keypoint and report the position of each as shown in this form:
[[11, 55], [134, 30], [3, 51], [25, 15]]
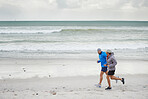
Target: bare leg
[[106, 72], [101, 77], [108, 80], [115, 78]]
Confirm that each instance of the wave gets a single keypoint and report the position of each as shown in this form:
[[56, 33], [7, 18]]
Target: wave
[[57, 29], [29, 31], [66, 47], [29, 41], [71, 51], [105, 29], [72, 41], [121, 53]]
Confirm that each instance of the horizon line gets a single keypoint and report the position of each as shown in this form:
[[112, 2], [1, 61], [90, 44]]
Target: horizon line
[[73, 20]]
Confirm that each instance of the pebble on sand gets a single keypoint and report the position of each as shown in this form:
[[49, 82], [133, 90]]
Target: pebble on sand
[[15, 94], [53, 92]]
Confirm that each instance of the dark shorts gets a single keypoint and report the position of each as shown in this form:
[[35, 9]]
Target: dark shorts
[[104, 69], [111, 72]]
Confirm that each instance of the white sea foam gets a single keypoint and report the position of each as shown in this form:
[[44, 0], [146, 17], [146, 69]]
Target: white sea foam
[[68, 47], [20, 31], [52, 29]]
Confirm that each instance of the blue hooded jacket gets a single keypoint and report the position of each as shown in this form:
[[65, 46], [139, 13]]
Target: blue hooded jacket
[[102, 58]]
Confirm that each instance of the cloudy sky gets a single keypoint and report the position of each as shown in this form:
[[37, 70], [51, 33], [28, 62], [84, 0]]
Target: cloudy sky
[[74, 10]]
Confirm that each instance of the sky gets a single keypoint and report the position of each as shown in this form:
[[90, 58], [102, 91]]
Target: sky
[[57, 10]]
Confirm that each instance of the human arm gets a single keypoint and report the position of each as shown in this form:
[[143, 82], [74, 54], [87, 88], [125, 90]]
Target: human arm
[[104, 59], [98, 61], [113, 63]]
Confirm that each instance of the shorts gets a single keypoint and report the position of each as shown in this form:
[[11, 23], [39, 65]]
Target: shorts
[[104, 69], [111, 72]]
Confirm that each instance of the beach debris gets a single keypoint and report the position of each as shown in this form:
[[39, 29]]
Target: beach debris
[[15, 94], [71, 90], [53, 92], [9, 74], [24, 69], [144, 86], [27, 88], [88, 89], [49, 76], [79, 88], [37, 94], [63, 87], [76, 93]]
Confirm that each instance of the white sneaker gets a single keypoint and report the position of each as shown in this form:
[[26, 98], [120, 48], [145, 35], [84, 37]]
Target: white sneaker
[[98, 85]]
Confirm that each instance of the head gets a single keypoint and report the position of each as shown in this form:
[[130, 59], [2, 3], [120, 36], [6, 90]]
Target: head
[[99, 51], [108, 52]]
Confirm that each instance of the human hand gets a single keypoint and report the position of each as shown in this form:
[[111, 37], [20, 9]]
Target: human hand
[[98, 61]]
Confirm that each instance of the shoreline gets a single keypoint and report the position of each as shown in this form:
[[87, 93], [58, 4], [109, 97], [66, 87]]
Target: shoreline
[[69, 58], [63, 67]]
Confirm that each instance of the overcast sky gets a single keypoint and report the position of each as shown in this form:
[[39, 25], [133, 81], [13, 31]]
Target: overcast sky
[[74, 10]]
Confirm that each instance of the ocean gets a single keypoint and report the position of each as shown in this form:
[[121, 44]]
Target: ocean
[[28, 39], [72, 40]]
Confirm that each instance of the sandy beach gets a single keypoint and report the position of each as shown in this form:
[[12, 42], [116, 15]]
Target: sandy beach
[[79, 87], [16, 83]]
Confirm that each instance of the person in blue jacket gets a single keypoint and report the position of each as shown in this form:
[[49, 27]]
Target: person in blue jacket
[[103, 61]]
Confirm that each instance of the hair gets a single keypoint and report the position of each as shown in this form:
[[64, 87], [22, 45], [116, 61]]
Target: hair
[[99, 49], [109, 53]]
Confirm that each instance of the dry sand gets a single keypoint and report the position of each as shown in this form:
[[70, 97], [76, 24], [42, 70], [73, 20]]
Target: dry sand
[[80, 87], [72, 87]]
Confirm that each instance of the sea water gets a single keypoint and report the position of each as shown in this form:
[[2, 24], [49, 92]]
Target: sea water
[[80, 39]]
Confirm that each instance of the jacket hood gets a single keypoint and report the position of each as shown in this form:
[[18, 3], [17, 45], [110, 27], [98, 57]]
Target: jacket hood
[[111, 54]]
